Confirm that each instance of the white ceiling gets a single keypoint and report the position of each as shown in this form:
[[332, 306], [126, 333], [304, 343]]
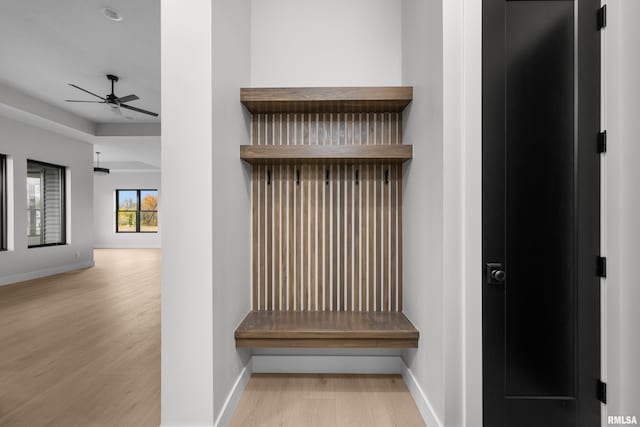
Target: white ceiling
[[141, 155], [46, 44]]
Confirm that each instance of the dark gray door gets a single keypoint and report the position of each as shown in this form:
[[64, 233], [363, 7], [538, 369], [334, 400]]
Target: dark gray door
[[541, 213]]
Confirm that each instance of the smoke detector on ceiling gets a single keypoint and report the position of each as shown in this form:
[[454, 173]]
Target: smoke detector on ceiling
[[112, 14]]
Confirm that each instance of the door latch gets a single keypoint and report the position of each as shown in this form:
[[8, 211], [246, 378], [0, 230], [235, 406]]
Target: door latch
[[495, 273]]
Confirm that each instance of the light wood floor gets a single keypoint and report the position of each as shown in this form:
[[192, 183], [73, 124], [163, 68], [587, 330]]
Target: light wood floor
[[326, 400], [83, 348]]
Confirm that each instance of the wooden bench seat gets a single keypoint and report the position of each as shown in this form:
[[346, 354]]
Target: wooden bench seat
[[326, 329]]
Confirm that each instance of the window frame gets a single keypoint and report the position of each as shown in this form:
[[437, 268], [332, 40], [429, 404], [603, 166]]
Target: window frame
[[4, 214], [138, 211], [63, 205]]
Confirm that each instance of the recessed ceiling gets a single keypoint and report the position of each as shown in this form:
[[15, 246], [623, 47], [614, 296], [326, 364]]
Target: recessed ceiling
[[47, 44]]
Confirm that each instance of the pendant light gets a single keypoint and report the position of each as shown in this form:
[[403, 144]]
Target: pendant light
[[97, 170]]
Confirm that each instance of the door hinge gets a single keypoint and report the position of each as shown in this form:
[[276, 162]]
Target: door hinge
[[602, 17], [602, 391], [602, 266], [602, 142]]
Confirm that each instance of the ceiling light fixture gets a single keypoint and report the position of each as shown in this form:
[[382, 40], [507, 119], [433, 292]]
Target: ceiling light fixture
[[112, 14], [97, 170]]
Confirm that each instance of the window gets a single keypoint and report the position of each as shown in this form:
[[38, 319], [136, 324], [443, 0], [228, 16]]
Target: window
[[46, 219], [3, 202], [136, 211]]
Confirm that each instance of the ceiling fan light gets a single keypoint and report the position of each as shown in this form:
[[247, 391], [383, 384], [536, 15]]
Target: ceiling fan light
[[112, 14]]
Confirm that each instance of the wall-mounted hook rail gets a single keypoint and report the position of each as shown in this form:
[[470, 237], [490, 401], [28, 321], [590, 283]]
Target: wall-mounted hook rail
[[386, 176]]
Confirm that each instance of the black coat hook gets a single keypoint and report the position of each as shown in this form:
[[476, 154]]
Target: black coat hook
[[268, 176], [326, 178], [386, 176], [298, 176], [357, 178]]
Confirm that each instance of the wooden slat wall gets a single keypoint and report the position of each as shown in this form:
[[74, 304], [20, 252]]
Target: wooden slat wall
[[327, 237]]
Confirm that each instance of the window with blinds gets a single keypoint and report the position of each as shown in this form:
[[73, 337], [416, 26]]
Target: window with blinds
[[45, 204], [3, 202]]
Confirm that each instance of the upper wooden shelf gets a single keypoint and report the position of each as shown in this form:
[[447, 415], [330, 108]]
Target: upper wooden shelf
[[327, 99], [384, 153]]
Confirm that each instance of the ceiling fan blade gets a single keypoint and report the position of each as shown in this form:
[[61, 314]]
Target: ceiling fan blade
[[92, 102], [84, 90], [128, 98], [139, 110]]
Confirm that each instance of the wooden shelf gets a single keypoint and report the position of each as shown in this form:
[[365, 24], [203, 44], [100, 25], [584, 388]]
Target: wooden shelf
[[388, 153], [327, 99], [326, 329]]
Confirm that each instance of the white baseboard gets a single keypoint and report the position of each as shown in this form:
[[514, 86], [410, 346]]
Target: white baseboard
[[230, 404], [277, 364], [186, 425], [121, 246], [424, 406], [37, 274]]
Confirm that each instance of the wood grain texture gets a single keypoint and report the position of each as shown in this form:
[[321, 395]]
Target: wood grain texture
[[353, 153], [327, 325], [326, 244], [326, 401], [326, 99], [269, 241], [83, 348], [255, 236], [325, 343]]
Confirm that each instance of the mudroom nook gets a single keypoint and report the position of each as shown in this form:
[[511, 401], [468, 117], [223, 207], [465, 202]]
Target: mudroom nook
[[326, 191]]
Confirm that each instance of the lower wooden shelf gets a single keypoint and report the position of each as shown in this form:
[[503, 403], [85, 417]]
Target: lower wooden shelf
[[326, 329]]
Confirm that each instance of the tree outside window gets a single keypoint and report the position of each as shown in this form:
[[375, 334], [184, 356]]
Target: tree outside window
[[137, 211]]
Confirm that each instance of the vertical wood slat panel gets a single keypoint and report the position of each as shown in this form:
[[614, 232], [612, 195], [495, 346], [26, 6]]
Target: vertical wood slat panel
[[379, 184], [269, 240], [334, 237], [357, 285], [393, 256], [275, 294], [298, 234], [327, 240], [371, 180], [291, 253], [304, 183], [327, 247], [349, 238], [349, 229], [399, 207], [254, 222], [313, 253], [277, 217]]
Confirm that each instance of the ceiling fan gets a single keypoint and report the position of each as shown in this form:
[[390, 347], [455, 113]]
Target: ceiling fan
[[113, 101]]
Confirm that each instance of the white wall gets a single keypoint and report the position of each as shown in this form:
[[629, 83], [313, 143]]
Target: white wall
[[231, 192], [423, 195], [20, 142], [104, 210], [326, 43], [187, 291], [622, 203]]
